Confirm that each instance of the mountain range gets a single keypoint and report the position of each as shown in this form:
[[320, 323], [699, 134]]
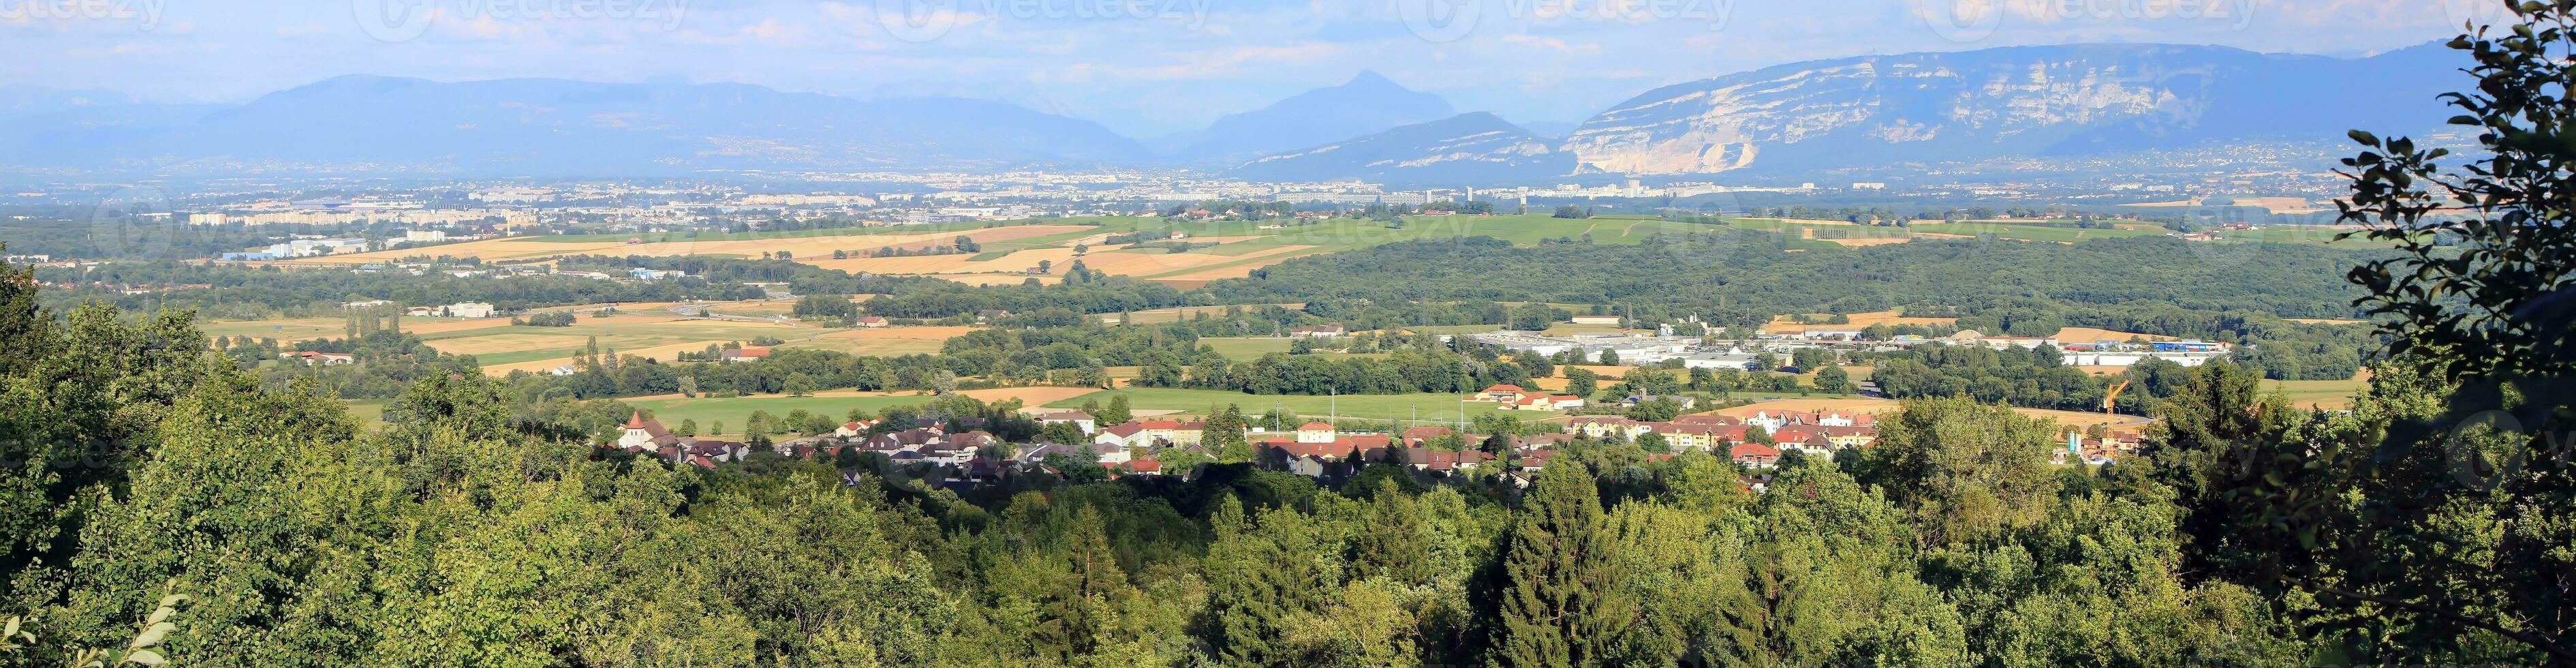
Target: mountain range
[[2085, 99], [2072, 100], [1366, 104]]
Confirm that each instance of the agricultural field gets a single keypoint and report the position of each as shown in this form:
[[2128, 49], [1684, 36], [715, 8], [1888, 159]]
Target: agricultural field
[[289, 330], [1245, 348], [1010, 249], [2319, 394], [1786, 324], [1240, 246], [884, 341], [1432, 407], [801, 244], [2091, 334], [503, 348]]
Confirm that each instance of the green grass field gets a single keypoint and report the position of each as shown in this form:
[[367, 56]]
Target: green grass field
[[2320, 393], [370, 412], [1432, 407]]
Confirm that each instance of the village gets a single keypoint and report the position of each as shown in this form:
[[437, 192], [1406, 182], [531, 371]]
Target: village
[[960, 453]]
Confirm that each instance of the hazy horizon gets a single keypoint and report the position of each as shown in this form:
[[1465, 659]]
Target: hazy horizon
[[1143, 69]]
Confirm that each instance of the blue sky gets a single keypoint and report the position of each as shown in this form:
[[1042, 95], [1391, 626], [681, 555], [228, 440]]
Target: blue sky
[[1142, 67]]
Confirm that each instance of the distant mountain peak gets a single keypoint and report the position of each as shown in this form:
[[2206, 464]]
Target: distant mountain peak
[[1370, 79], [1368, 103]]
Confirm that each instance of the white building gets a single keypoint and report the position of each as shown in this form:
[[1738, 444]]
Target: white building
[[469, 310]]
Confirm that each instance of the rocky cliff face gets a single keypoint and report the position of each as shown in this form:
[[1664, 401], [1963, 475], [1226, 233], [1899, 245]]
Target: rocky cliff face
[[2007, 101]]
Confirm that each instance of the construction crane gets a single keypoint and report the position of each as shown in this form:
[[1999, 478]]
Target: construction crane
[[2114, 395]]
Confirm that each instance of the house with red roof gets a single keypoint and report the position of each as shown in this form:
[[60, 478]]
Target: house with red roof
[[643, 434], [1426, 459], [1754, 455]]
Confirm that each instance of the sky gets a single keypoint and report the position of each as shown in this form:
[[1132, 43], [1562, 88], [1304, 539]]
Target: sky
[[1142, 67]]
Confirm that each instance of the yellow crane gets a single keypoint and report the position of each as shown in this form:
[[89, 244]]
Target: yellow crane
[[2115, 394]]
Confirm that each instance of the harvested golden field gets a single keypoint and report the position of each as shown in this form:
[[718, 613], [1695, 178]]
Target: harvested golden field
[[661, 352], [955, 263], [884, 341], [924, 332], [1784, 325], [2090, 334], [1242, 268], [1159, 263]]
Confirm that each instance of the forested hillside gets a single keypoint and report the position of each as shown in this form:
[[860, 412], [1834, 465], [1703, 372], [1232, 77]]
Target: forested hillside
[[1742, 276]]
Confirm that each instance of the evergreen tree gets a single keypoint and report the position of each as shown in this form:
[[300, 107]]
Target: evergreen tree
[[1561, 600]]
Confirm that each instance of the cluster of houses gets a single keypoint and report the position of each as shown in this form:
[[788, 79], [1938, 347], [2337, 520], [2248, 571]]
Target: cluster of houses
[[1315, 449], [311, 358], [1514, 397], [2113, 444]]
